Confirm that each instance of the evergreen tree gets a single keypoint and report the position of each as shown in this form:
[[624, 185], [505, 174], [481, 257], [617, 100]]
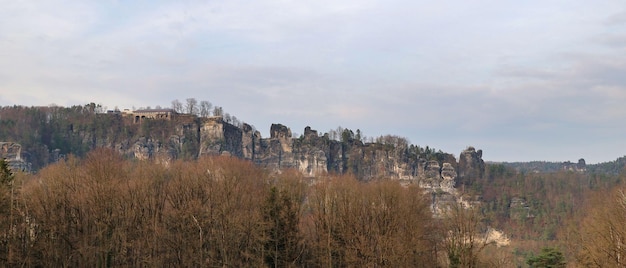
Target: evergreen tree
[[549, 258], [281, 216], [6, 176], [6, 215]]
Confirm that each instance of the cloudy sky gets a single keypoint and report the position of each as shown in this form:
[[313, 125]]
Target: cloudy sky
[[522, 80]]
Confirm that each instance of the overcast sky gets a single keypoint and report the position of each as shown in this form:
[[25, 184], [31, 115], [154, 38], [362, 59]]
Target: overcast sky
[[522, 80]]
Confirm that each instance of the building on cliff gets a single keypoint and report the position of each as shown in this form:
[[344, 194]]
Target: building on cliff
[[166, 114]]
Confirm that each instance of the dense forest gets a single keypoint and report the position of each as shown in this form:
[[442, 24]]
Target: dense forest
[[611, 167], [104, 210], [92, 206], [49, 132], [52, 132]]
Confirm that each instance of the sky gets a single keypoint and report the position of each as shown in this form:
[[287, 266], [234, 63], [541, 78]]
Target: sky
[[521, 80]]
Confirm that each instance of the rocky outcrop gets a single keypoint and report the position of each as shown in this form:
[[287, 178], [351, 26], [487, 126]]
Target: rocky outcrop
[[432, 175], [519, 209], [312, 154], [276, 152], [218, 137], [581, 166], [186, 137], [448, 175], [188, 140], [471, 166], [190, 137], [12, 153], [439, 182], [250, 141]]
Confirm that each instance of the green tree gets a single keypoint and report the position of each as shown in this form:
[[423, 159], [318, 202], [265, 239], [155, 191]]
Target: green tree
[[6, 209], [548, 258], [347, 136], [6, 176], [281, 214]]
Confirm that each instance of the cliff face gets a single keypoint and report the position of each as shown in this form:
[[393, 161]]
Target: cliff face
[[62, 131], [188, 137], [313, 155], [217, 137], [471, 166], [12, 153]]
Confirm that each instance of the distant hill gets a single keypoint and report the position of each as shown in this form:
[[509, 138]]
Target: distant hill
[[544, 166], [618, 166], [610, 168]]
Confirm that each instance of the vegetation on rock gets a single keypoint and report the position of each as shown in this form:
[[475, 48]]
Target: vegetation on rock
[[91, 204]]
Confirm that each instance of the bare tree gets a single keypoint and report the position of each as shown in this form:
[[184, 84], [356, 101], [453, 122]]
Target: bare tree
[[462, 237], [218, 111], [369, 225], [332, 134], [228, 118], [177, 106], [339, 132], [192, 106], [205, 108], [600, 240], [236, 121]]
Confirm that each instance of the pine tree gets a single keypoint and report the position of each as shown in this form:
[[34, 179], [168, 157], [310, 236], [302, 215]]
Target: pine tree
[[6, 210], [549, 257], [282, 217]]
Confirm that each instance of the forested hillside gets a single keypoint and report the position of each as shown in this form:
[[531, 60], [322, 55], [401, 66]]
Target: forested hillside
[[317, 200], [611, 167], [104, 210], [538, 210], [221, 211], [47, 134]]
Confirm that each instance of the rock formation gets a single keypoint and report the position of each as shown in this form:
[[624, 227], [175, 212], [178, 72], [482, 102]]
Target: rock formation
[[581, 166], [448, 174], [218, 137], [471, 166], [12, 153], [190, 137]]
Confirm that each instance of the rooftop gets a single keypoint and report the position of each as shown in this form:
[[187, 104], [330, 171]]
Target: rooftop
[[155, 111]]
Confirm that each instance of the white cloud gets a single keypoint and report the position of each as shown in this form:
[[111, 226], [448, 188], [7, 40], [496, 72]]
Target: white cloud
[[440, 73]]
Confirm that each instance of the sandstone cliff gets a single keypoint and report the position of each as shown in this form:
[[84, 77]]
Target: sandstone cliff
[[47, 134], [190, 137], [471, 166], [12, 153]]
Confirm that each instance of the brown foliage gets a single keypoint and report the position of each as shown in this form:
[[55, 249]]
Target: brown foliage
[[600, 241], [106, 211], [463, 237], [363, 225]]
